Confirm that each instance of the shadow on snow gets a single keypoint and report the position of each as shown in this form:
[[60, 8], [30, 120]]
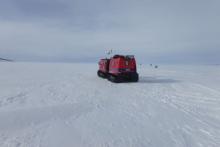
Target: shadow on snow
[[156, 80]]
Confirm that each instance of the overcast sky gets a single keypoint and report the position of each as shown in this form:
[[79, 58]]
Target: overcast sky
[[169, 31]]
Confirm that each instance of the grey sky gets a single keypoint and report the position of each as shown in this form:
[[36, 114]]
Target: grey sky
[[153, 30]]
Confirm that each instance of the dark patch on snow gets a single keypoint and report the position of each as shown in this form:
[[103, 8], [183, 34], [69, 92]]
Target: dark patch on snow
[[155, 80]]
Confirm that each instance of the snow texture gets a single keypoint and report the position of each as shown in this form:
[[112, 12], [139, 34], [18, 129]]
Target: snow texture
[[67, 105]]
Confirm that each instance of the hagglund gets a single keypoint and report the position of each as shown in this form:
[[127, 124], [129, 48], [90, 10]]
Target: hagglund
[[119, 68]]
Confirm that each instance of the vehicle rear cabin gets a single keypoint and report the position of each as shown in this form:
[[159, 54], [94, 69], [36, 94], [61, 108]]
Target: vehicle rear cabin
[[119, 68]]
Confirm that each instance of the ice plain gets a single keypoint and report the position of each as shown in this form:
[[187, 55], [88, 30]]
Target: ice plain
[[67, 105]]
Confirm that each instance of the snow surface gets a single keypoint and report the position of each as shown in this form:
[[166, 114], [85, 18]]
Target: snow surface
[[67, 105]]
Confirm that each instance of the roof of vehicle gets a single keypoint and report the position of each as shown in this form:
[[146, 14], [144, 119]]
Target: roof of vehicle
[[122, 56]]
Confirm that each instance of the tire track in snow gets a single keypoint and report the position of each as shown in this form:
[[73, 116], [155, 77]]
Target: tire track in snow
[[192, 104], [163, 97]]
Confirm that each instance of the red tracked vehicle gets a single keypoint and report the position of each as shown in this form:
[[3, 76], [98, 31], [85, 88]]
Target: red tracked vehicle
[[119, 68]]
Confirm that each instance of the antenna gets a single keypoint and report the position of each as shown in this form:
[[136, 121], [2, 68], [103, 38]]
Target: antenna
[[109, 52]]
